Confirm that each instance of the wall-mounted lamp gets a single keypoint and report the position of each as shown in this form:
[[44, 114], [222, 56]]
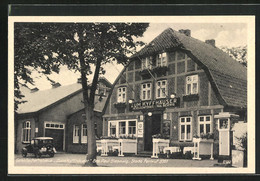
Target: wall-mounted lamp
[[141, 117], [172, 96], [164, 115], [130, 101], [150, 113]]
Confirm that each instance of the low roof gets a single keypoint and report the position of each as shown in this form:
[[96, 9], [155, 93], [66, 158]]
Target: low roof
[[228, 77], [40, 100]]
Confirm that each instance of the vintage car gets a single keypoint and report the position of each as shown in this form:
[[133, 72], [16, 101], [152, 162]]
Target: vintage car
[[40, 146]]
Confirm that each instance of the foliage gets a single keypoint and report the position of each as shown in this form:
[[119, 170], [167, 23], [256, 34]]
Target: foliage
[[243, 141], [127, 137], [237, 53], [160, 136], [108, 137], [44, 47], [205, 136]]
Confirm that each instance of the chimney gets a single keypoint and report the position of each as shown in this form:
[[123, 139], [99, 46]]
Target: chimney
[[34, 90], [187, 32], [211, 42], [55, 85]]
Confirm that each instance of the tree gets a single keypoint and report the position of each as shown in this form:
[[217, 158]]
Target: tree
[[44, 47], [237, 53]]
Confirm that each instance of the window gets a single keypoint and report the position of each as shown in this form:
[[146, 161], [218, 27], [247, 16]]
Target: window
[[76, 134], [26, 132], [185, 129], [192, 84], [49, 125], [101, 90], [84, 133], [161, 60], [147, 63], [121, 94], [112, 129], [122, 128], [131, 128], [204, 124], [161, 89], [146, 91]]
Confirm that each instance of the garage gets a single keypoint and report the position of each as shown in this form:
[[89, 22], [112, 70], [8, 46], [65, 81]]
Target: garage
[[56, 131]]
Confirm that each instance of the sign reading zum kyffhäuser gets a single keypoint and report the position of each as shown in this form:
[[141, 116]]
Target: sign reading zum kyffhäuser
[[151, 104]]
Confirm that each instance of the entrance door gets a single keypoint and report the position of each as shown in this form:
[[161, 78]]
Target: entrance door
[[152, 127], [57, 135]]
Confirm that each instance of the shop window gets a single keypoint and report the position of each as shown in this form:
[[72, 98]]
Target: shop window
[[161, 60], [147, 63], [84, 133], [121, 94], [185, 129], [26, 138], [192, 84], [75, 134], [161, 89], [131, 128], [146, 91], [204, 124]]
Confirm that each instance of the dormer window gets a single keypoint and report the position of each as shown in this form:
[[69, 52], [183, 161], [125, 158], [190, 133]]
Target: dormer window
[[121, 94], [192, 84], [147, 63], [161, 59]]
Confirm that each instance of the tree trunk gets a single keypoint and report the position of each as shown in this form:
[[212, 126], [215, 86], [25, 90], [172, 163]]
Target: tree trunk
[[92, 153]]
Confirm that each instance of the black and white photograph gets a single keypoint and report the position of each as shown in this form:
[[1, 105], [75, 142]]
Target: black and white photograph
[[131, 95]]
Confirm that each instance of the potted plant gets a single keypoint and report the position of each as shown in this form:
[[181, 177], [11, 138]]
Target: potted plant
[[146, 73], [191, 97]]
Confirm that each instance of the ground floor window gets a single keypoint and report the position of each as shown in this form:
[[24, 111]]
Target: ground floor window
[[75, 134], [185, 128], [26, 132], [122, 128], [204, 124], [84, 133]]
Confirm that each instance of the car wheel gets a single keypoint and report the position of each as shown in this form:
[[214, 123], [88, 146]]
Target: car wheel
[[51, 154], [38, 154], [24, 154]]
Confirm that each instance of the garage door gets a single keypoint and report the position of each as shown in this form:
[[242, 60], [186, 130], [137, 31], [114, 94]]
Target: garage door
[[56, 131]]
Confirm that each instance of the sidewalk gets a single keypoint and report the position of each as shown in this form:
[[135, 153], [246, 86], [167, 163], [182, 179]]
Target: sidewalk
[[77, 160]]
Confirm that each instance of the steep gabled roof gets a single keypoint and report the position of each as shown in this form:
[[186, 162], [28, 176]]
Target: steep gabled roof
[[228, 77]]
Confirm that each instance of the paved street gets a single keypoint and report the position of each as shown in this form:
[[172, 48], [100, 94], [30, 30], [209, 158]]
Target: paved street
[[77, 160]]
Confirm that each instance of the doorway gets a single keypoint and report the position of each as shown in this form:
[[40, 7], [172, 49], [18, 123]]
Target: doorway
[[152, 127]]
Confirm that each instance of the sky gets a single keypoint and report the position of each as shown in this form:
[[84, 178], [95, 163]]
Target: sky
[[225, 34]]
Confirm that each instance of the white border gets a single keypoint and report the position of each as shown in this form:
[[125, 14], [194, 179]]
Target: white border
[[249, 20]]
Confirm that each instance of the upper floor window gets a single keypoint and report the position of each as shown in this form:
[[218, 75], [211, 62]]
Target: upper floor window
[[101, 90], [75, 134], [185, 128], [192, 84], [161, 60], [121, 94], [204, 124], [26, 132], [147, 63], [146, 91], [84, 133], [161, 89]]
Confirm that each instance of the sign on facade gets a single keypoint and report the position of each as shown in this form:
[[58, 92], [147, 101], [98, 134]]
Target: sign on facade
[[150, 104], [140, 129]]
